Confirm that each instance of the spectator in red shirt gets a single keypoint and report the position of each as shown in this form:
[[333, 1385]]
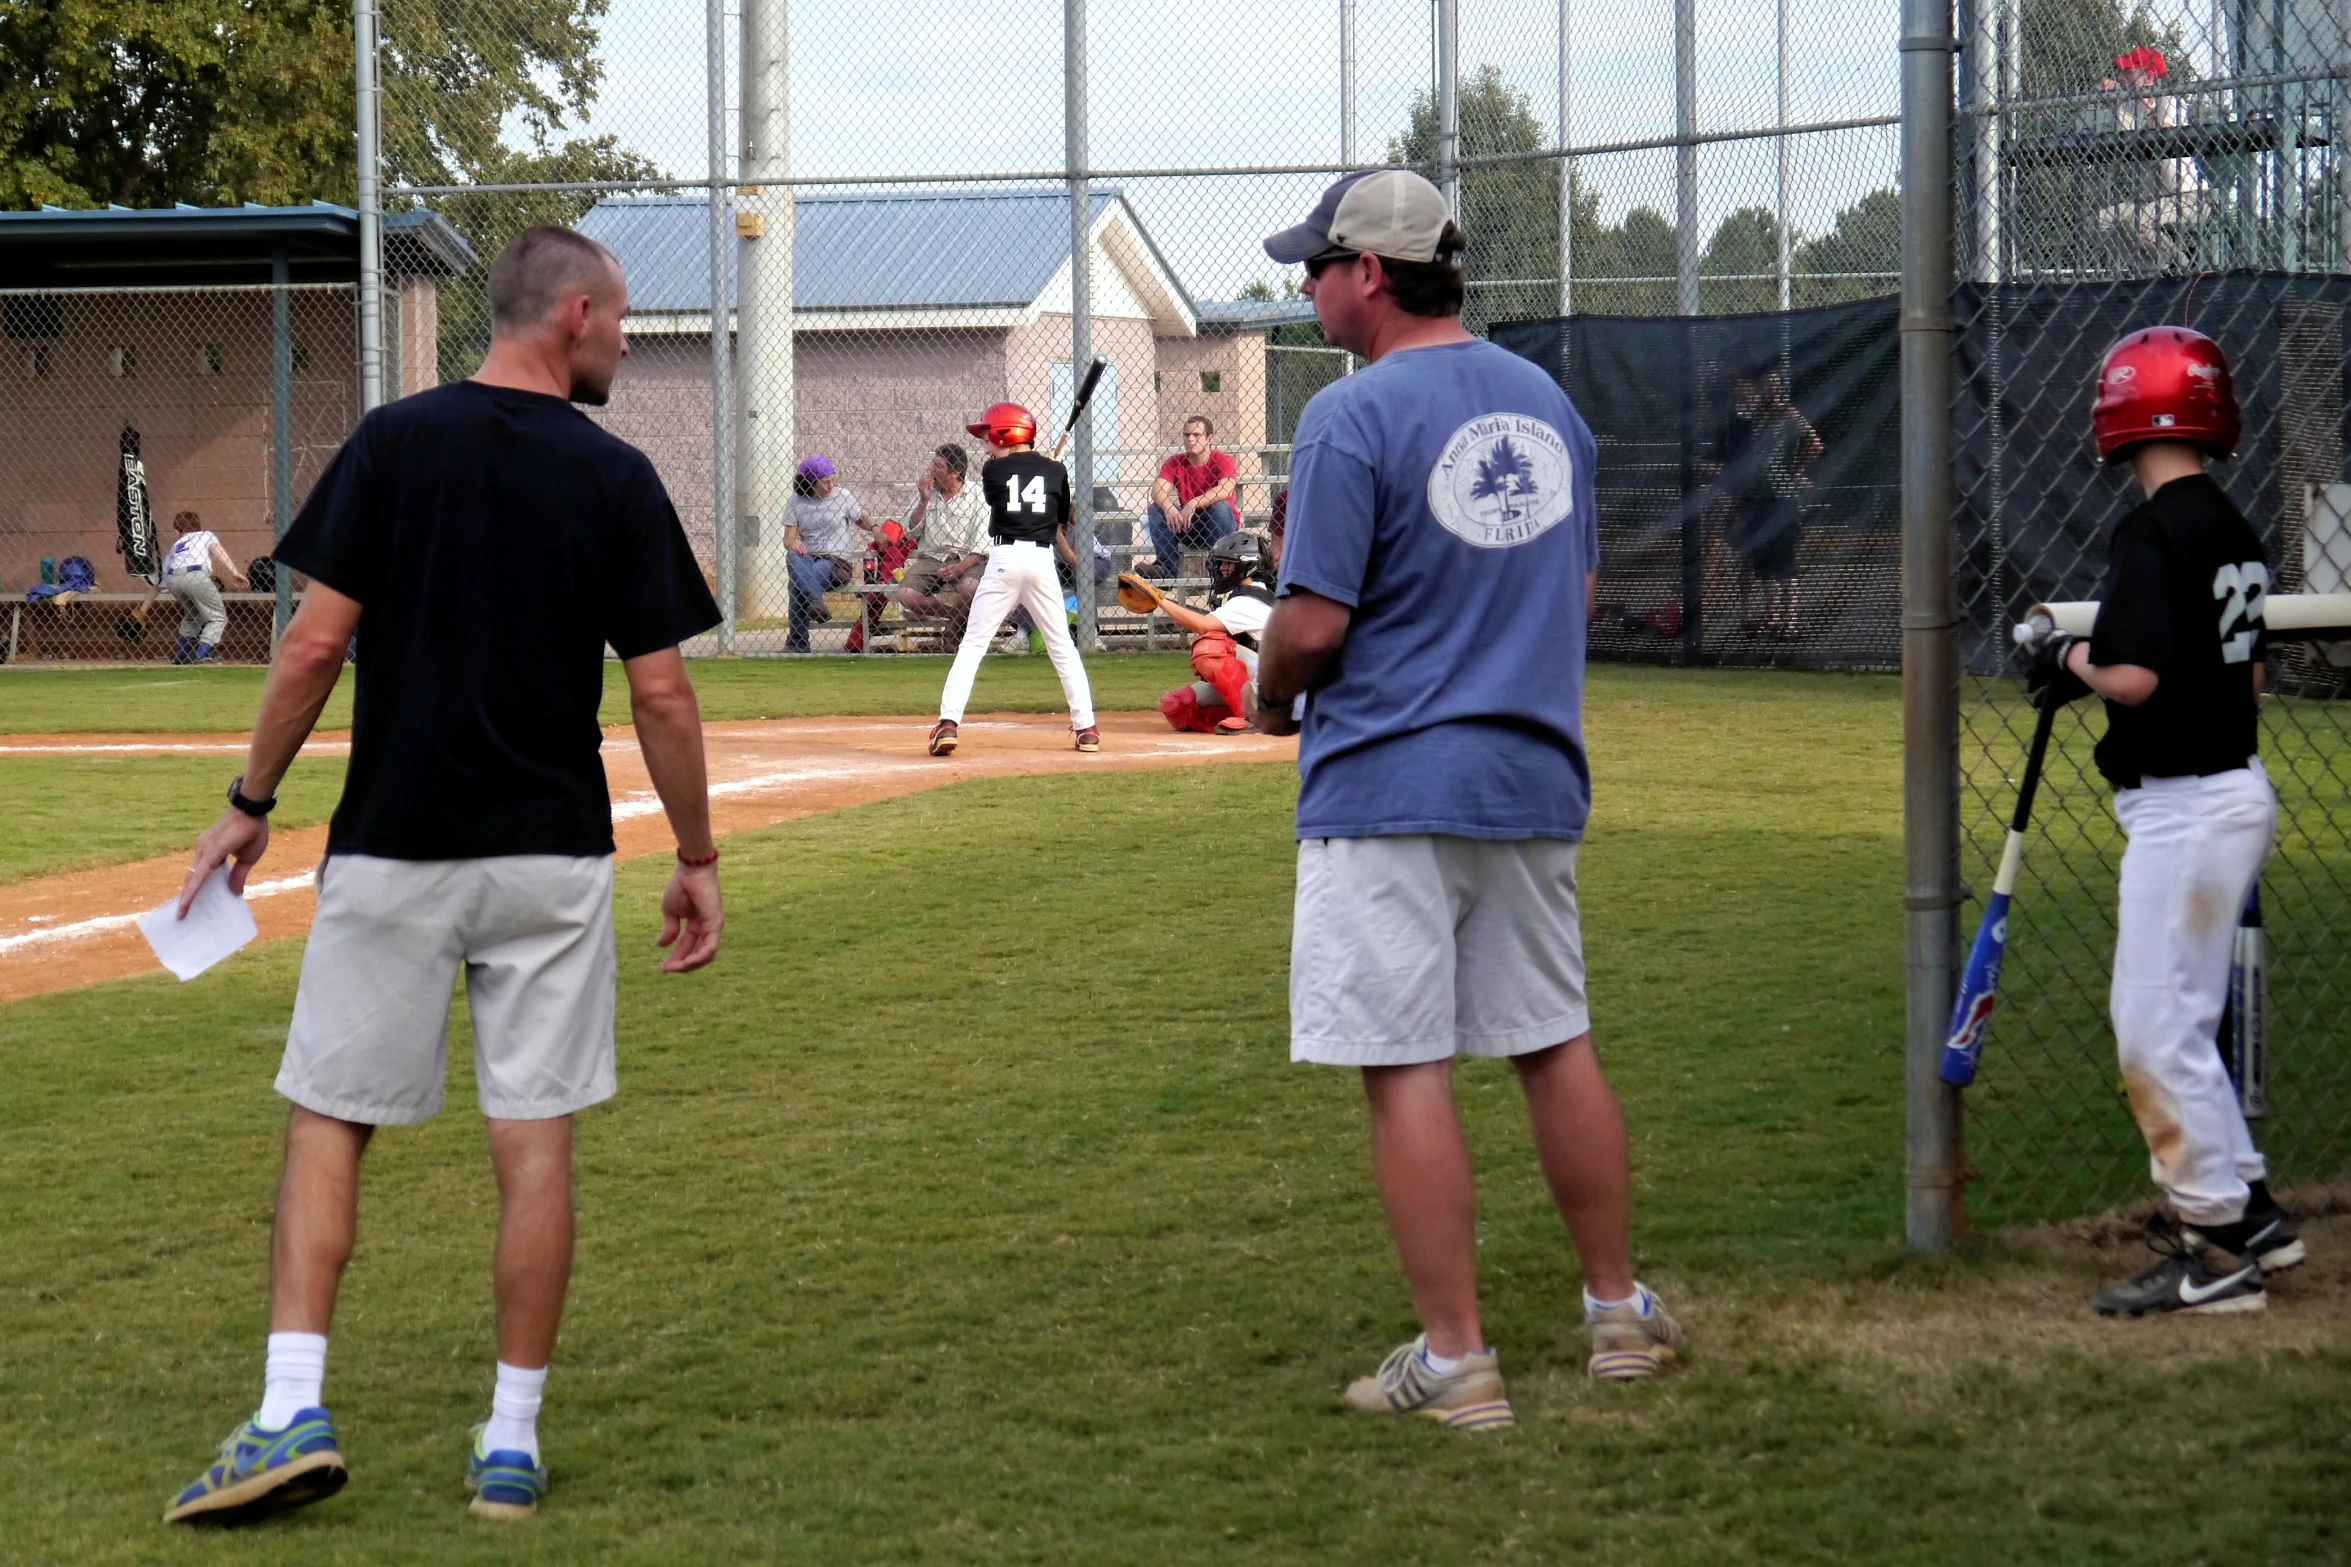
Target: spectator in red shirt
[[1194, 501]]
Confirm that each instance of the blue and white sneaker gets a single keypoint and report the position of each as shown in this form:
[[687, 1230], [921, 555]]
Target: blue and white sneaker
[[262, 1472], [1632, 1339], [506, 1483]]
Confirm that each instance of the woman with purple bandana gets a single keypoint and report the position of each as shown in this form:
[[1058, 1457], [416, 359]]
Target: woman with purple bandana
[[826, 534]]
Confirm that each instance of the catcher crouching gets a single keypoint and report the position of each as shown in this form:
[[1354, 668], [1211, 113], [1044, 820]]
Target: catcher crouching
[[1224, 640]]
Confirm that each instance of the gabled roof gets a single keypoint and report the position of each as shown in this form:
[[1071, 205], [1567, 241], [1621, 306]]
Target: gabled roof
[[977, 258], [85, 247]]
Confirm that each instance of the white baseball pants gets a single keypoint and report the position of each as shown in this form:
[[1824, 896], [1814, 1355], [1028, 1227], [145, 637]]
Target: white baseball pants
[[2195, 846], [1019, 574]]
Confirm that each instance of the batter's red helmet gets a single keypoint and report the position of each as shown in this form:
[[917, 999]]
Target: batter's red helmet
[[1006, 424], [2165, 383]]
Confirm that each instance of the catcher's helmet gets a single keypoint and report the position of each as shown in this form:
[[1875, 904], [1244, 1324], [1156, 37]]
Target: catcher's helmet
[[1233, 560], [1006, 424], [2165, 383]]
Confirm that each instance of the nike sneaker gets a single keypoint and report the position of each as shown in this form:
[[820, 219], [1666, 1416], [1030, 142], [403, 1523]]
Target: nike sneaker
[[2189, 1274]]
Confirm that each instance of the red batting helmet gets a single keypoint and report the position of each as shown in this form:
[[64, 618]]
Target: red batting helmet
[[2165, 383], [1006, 424]]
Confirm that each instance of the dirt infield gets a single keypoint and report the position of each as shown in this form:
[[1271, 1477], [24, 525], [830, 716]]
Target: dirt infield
[[60, 932]]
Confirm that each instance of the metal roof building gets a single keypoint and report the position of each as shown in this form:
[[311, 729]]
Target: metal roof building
[[922, 259]]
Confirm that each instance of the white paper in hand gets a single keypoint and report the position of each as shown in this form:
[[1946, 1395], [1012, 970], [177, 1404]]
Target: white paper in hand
[[218, 923]]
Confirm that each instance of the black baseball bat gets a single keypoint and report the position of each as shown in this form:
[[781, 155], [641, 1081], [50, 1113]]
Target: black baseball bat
[[1077, 409]]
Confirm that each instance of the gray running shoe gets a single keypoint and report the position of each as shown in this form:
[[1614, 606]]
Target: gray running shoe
[[1469, 1398], [1634, 1340]]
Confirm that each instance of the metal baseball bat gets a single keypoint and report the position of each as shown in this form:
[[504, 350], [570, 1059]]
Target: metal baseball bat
[[2244, 1023], [1077, 409], [1979, 985]]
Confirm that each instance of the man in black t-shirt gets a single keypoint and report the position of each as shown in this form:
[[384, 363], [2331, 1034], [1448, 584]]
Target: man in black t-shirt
[[2177, 654], [485, 541], [1028, 510]]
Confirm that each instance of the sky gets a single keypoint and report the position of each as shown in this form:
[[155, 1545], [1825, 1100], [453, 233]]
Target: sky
[[887, 87]]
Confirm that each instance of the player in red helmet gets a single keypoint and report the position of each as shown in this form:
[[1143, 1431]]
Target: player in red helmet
[[2177, 654], [1006, 425], [1028, 514]]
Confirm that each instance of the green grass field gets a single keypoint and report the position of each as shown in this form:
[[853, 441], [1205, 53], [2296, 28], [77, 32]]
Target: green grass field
[[968, 1210], [223, 698]]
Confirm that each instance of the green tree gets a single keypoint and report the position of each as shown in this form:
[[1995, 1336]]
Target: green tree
[[1510, 211], [1746, 250], [215, 102], [1860, 257]]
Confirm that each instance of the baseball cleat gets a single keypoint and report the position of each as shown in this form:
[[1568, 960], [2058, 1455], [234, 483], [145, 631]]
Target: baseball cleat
[[2188, 1275], [1235, 725], [506, 1483], [1089, 739], [1632, 1340], [2266, 1235], [1468, 1398], [262, 1472], [943, 737]]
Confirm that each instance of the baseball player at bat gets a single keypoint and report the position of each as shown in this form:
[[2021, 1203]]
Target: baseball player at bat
[[1028, 512], [1224, 637], [2176, 652]]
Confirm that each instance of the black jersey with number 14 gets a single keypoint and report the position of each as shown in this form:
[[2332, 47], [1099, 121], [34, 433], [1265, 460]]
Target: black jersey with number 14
[[2184, 595], [1028, 497]]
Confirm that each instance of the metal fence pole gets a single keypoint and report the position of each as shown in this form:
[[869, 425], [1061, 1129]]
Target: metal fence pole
[[764, 321], [1786, 257], [281, 431], [371, 203], [1081, 313], [1347, 82], [723, 543], [1685, 156], [1449, 102], [1566, 169], [1933, 1164]]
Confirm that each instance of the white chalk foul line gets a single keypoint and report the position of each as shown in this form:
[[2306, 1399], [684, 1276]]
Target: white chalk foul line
[[163, 748], [82, 930]]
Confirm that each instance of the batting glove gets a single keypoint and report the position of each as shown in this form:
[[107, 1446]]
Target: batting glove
[[2050, 679]]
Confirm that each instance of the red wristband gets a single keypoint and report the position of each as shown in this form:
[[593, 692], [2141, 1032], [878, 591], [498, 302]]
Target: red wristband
[[694, 865]]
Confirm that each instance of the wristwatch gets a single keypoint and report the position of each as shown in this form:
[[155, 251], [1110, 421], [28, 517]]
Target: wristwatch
[[249, 807]]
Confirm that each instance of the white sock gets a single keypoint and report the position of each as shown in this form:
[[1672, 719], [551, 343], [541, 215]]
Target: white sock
[[1440, 1364], [1639, 1297], [292, 1377], [514, 1411]]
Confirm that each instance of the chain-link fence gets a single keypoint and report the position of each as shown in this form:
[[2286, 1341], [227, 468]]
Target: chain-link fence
[[142, 414], [848, 230], [2116, 169]]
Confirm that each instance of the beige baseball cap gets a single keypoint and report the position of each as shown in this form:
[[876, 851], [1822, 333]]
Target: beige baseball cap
[[1387, 212]]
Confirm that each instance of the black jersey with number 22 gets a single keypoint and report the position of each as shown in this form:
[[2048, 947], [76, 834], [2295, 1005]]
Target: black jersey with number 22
[[2184, 596], [1028, 497]]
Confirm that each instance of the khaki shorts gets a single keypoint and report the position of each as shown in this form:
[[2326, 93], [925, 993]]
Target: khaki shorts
[[922, 575], [1420, 948], [533, 935]]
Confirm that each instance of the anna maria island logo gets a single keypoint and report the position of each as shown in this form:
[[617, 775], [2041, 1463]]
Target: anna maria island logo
[[1501, 480]]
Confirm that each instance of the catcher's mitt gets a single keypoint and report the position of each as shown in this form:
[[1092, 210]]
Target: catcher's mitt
[[130, 628], [1137, 595]]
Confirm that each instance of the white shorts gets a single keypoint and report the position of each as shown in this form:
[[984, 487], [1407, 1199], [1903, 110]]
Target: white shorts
[[533, 934], [1421, 948]]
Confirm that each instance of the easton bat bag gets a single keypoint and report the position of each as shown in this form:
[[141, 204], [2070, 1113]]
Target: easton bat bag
[[134, 523], [1979, 986]]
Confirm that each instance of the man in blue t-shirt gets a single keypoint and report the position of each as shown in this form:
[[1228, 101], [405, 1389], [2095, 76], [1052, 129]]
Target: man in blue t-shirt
[[1434, 590]]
